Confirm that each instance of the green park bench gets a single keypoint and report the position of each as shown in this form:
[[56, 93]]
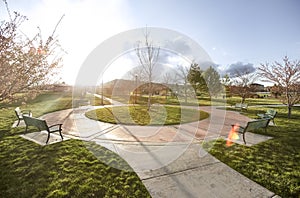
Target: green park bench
[[42, 126], [252, 125], [270, 113], [241, 106], [20, 113]]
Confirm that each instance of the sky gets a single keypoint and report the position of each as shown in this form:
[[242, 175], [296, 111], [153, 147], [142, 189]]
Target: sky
[[232, 32]]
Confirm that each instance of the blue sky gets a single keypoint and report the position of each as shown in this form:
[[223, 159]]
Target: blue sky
[[230, 31]]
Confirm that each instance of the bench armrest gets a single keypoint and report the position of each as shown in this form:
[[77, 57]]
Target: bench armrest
[[240, 127], [56, 125], [28, 112]]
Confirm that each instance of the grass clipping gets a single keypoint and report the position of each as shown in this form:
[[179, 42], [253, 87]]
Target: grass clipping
[[138, 115]]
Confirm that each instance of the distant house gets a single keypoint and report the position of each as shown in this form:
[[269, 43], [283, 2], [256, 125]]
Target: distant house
[[127, 87], [259, 91], [257, 87], [158, 89], [59, 87]]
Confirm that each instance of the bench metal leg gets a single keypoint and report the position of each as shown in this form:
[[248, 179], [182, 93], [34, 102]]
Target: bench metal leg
[[18, 122], [62, 138], [244, 138], [48, 138], [26, 128], [61, 135]]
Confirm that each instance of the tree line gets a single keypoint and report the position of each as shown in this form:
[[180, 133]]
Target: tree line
[[285, 76]]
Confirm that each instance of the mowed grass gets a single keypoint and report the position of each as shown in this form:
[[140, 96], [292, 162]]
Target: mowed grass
[[275, 164], [66, 169], [231, 101], [202, 100], [138, 115]]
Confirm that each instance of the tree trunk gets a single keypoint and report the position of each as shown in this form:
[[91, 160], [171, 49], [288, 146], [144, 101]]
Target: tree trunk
[[166, 94], [149, 97], [185, 95], [243, 100], [289, 111]]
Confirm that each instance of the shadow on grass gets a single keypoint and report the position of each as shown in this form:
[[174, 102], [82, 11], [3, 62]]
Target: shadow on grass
[[275, 163], [63, 169]]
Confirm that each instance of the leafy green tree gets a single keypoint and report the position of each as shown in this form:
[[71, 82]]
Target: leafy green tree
[[212, 79], [196, 79], [226, 80], [182, 77]]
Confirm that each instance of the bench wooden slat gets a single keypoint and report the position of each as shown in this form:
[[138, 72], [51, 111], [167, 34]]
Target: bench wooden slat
[[270, 113], [42, 126], [252, 125], [241, 106]]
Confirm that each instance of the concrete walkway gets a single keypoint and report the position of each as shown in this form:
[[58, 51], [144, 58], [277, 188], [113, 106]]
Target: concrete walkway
[[169, 159]]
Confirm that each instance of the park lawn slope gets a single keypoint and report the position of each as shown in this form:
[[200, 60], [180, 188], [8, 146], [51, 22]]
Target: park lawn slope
[[275, 163], [65, 169]]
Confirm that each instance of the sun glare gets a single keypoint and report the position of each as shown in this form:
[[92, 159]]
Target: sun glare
[[233, 135]]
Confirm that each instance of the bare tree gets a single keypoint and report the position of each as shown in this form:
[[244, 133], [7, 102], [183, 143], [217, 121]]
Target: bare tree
[[286, 76], [25, 63], [136, 75], [148, 56], [167, 78], [242, 79], [182, 76]]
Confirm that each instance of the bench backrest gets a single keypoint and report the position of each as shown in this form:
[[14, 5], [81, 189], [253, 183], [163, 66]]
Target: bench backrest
[[40, 124], [238, 105], [241, 105], [271, 112], [252, 125], [244, 105]]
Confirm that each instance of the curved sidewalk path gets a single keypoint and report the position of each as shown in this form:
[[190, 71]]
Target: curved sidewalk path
[[169, 159]]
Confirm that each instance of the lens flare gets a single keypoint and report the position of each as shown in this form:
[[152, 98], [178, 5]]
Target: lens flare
[[233, 135]]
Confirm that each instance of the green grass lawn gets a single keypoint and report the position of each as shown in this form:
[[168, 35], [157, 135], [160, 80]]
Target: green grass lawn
[[170, 100], [138, 115], [275, 164], [96, 101], [202, 100], [70, 169], [66, 169], [233, 100]]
